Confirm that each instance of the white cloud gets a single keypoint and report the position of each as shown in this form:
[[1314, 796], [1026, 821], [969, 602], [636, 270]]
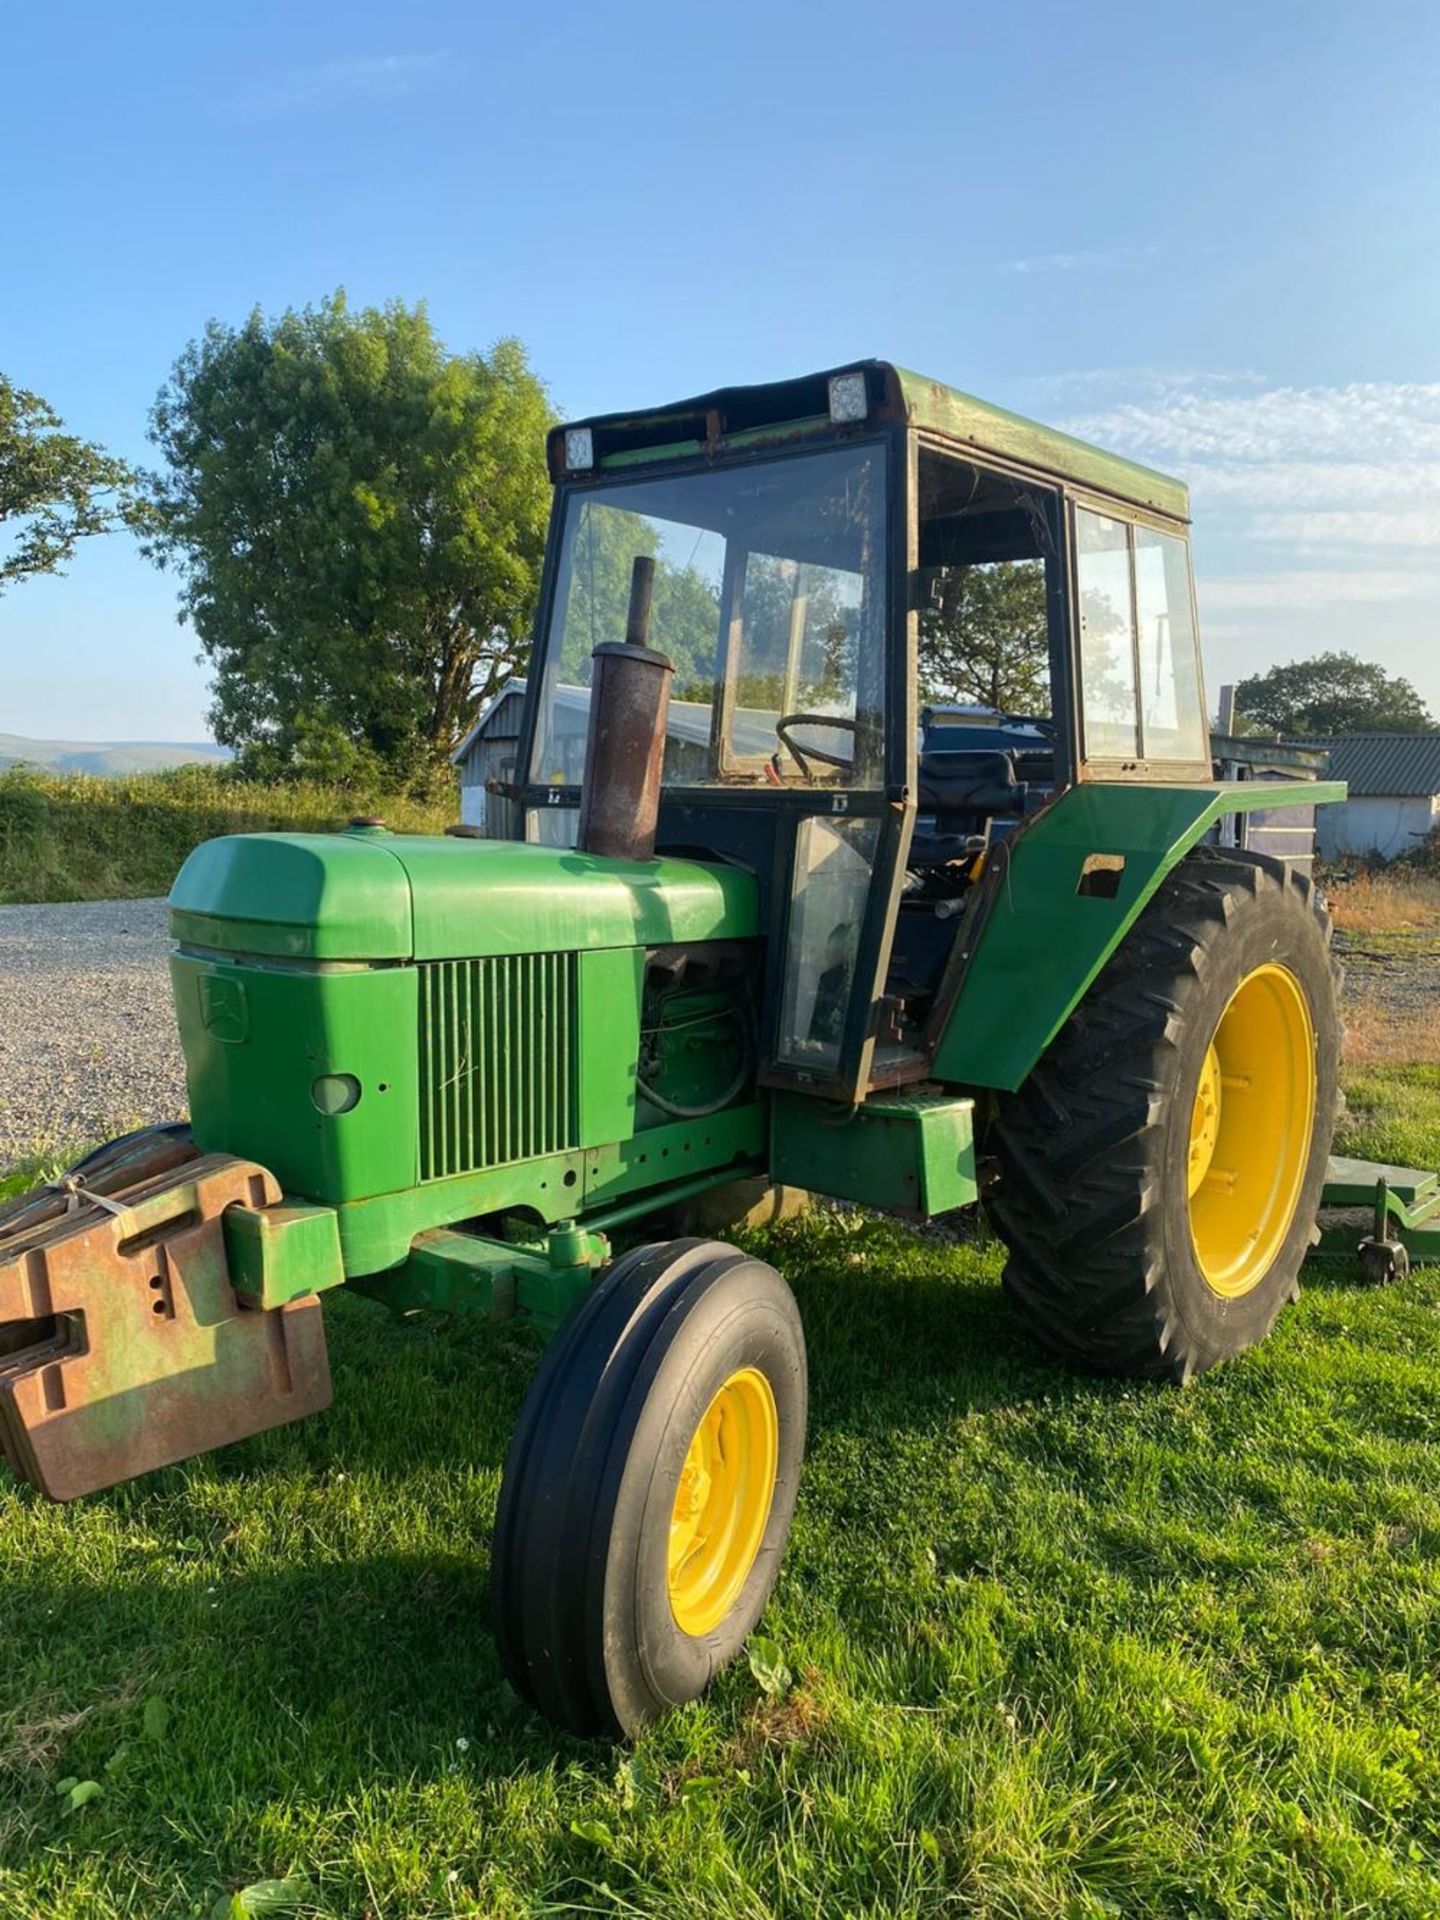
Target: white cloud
[[1317, 509], [1359, 484], [1100, 389], [383, 76], [1101, 258], [1402, 527], [1355, 423], [1306, 588]]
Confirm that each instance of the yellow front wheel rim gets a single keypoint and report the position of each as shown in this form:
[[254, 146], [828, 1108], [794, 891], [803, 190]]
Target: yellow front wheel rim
[[1251, 1126], [722, 1504]]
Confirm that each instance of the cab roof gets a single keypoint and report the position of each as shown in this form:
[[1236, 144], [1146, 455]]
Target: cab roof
[[733, 418]]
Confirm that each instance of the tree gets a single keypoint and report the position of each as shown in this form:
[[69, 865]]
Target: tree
[[1331, 693], [684, 612], [989, 641], [357, 518], [55, 490]]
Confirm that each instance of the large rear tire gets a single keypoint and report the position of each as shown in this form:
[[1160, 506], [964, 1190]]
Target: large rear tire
[[1162, 1166], [649, 1486]]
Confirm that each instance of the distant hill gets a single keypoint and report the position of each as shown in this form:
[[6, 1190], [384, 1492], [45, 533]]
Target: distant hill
[[107, 756]]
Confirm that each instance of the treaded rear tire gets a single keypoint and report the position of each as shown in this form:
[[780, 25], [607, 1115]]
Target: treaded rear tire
[[1092, 1202]]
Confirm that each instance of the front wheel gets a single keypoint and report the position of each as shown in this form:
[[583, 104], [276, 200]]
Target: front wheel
[[649, 1486]]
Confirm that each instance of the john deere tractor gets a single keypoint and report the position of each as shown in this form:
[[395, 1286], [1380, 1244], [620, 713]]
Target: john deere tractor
[[862, 836]]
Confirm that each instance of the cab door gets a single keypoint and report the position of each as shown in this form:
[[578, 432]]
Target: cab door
[[845, 873], [841, 847]]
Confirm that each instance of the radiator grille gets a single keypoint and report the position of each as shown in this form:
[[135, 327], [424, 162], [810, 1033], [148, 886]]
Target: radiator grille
[[497, 1061]]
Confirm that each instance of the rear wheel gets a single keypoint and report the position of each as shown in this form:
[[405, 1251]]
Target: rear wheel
[[1162, 1166], [649, 1486]]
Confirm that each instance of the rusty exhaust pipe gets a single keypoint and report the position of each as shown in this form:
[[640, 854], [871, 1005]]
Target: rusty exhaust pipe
[[625, 740]]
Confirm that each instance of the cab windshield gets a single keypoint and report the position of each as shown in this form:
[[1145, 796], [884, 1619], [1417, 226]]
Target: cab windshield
[[769, 600]]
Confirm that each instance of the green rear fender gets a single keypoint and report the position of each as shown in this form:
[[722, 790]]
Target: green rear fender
[[1074, 883]]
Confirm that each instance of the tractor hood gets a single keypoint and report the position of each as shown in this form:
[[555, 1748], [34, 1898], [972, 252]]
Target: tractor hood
[[372, 895]]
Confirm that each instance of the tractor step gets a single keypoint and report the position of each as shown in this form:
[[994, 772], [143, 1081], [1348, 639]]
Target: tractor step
[[123, 1344]]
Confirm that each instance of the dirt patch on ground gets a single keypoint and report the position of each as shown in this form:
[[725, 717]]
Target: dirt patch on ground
[[1391, 998]]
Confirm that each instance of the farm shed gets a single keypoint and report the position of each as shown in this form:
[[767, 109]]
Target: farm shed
[[1394, 800], [488, 752]]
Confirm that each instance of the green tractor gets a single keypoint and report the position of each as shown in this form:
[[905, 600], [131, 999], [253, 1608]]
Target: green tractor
[[750, 917]]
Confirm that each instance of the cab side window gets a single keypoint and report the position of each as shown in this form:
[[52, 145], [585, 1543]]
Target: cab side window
[[1141, 691], [1172, 702], [1107, 638]]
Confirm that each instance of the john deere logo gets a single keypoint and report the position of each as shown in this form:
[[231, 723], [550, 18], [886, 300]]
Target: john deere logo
[[223, 1007]]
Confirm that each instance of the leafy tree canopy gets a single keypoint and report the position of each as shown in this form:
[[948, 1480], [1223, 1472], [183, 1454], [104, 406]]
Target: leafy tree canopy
[[55, 489], [684, 613], [1331, 693], [988, 642], [357, 518]]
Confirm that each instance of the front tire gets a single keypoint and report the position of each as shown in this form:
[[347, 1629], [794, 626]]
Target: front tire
[[649, 1486], [1162, 1166]]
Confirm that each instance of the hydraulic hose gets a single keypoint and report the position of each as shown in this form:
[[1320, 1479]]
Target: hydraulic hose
[[676, 1109]]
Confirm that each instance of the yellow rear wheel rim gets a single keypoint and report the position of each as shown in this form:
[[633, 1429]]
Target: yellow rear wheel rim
[[1251, 1124], [722, 1504]]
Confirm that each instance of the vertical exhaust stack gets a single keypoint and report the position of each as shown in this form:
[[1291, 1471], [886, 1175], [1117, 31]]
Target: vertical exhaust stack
[[625, 744]]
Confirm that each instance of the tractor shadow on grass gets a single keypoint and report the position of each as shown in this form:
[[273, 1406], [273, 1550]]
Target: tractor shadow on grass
[[899, 1330], [334, 1681], [902, 1332]]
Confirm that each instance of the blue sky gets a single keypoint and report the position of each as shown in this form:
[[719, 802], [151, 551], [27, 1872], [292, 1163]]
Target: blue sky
[[1205, 236]]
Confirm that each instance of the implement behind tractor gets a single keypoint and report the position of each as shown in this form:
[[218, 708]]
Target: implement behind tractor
[[743, 912]]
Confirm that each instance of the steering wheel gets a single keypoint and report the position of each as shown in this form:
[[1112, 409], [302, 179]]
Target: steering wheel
[[803, 758]]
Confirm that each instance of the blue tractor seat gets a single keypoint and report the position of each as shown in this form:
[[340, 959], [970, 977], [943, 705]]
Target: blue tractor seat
[[975, 782]]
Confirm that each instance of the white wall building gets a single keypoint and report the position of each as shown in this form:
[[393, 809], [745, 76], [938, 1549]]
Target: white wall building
[[1394, 801]]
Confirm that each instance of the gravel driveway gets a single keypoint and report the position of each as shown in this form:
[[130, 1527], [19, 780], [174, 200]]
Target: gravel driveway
[[87, 1031]]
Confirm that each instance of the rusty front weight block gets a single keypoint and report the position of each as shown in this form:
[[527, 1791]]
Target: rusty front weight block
[[123, 1345]]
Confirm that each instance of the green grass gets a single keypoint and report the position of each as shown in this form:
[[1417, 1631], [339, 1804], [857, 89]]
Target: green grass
[[1393, 1115], [80, 837], [1061, 1646]]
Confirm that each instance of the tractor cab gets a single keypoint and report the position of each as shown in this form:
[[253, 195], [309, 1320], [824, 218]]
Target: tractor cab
[[901, 623]]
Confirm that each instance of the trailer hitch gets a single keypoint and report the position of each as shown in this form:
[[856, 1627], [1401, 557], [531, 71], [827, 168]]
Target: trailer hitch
[[123, 1344]]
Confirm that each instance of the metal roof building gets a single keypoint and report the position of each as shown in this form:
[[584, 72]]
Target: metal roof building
[[1388, 764], [1394, 799]]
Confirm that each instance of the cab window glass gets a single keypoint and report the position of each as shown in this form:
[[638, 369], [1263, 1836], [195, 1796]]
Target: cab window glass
[[797, 651], [1107, 637], [769, 602], [834, 868], [1172, 707]]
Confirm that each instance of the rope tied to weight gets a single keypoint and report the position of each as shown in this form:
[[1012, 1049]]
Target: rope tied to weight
[[76, 1193]]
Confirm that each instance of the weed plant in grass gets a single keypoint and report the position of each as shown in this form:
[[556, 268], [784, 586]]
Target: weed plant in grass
[[1057, 1645], [81, 837]]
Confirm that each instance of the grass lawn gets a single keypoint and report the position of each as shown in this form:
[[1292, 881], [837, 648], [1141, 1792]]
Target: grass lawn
[[1059, 1646]]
